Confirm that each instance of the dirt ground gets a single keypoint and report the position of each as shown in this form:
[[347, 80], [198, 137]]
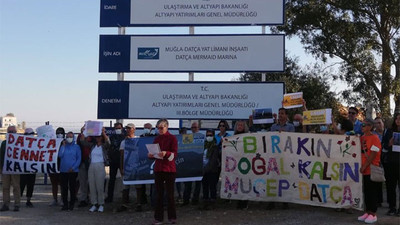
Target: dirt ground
[[225, 213]]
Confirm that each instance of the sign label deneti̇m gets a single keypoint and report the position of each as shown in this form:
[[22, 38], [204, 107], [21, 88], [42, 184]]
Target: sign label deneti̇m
[[130, 13], [191, 53], [186, 100]]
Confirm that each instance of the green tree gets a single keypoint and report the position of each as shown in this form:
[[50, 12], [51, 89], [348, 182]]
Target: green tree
[[311, 81], [363, 34]]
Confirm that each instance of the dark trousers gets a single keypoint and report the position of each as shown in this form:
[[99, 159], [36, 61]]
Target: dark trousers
[[188, 191], [392, 175], [370, 194], [379, 194], [114, 167], [164, 180], [27, 180], [210, 181], [55, 181], [68, 181]]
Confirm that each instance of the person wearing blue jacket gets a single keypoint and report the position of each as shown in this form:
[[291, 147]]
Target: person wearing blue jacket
[[70, 159]]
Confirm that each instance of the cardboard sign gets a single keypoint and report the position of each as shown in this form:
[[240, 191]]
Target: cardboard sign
[[262, 116], [293, 100], [93, 128], [320, 116]]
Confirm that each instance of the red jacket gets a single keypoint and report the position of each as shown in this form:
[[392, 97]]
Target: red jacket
[[168, 143]]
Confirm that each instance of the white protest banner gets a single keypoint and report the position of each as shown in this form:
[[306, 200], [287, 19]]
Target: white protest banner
[[311, 169], [93, 128], [201, 100], [319, 116], [293, 100], [29, 154]]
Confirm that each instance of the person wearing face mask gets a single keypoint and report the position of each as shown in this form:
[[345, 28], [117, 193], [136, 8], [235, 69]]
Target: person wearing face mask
[[28, 180], [55, 177], [298, 124], [114, 157], [298, 121], [85, 143], [70, 159], [9, 180], [211, 170], [147, 128]]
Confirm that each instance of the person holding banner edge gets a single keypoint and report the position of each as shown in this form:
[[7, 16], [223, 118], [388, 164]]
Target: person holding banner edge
[[165, 172], [9, 180], [211, 170], [28, 180], [282, 125], [55, 177], [241, 128]]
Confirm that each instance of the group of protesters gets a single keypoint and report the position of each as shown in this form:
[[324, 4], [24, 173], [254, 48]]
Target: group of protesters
[[82, 163]]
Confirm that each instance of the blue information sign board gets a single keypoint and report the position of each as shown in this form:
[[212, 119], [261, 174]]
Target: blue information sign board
[[192, 53], [138, 13]]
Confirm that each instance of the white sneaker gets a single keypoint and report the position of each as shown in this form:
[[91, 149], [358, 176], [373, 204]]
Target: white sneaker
[[93, 208], [371, 219], [363, 217], [101, 208]]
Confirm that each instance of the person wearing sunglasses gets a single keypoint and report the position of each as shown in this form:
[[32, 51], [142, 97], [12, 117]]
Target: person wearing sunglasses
[[165, 172], [352, 116], [223, 126], [370, 154]]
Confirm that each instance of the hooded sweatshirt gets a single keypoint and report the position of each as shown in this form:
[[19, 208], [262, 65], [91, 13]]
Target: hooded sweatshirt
[[70, 157]]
